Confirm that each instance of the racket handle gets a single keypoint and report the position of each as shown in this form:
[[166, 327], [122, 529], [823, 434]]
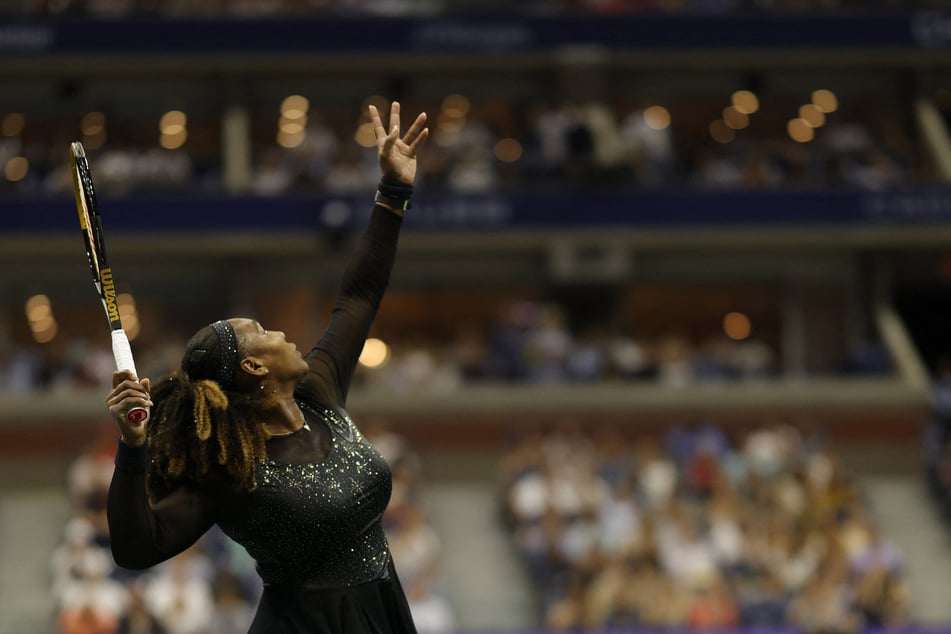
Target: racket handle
[[122, 352]]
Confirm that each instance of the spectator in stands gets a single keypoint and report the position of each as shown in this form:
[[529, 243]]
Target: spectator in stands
[[179, 593], [712, 606], [138, 619], [825, 605], [92, 602], [431, 610], [648, 147]]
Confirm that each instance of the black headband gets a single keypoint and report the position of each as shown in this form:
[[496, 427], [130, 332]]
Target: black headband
[[229, 352]]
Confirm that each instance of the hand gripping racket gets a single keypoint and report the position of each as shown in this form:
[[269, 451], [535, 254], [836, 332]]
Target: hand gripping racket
[[99, 264]]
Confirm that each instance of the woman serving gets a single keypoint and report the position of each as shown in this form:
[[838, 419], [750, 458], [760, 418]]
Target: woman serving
[[252, 435]]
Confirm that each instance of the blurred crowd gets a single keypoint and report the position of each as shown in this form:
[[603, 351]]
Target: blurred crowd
[[260, 8], [490, 146], [212, 588], [528, 343], [533, 342], [703, 528]]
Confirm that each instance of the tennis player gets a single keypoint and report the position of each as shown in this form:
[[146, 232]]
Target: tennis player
[[252, 435]]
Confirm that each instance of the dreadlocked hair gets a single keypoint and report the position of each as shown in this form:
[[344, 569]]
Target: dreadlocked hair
[[200, 434]]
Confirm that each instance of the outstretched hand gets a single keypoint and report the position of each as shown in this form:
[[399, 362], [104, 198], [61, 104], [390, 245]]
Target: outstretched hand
[[398, 154]]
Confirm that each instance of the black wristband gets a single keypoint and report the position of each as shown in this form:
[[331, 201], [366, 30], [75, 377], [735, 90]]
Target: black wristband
[[393, 194], [132, 459]]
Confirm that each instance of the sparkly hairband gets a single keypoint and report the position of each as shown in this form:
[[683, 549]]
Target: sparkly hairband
[[229, 352]]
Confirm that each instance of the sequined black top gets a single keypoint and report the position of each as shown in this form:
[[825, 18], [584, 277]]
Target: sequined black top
[[315, 517], [317, 523]]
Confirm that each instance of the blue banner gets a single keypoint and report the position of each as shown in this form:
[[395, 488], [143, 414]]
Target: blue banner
[[479, 35], [643, 209]]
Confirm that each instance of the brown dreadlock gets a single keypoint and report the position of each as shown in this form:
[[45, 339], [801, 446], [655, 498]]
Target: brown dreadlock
[[200, 434]]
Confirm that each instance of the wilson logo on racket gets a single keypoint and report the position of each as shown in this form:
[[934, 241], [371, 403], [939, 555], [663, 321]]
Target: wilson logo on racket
[[109, 294]]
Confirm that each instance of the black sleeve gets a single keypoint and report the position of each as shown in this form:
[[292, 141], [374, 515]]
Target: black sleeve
[[142, 535], [334, 358]]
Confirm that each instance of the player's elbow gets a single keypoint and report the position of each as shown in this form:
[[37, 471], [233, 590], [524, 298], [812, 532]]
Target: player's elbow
[[130, 559]]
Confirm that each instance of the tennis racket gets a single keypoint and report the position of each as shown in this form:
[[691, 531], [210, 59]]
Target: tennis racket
[[99, 265]]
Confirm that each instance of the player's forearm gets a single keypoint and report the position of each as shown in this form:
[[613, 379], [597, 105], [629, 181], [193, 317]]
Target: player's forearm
[[131, 523], [368, 274], [364, 282]]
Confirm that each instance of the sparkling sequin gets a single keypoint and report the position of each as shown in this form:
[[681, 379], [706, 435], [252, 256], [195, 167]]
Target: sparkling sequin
[[229, 352], [318, 523]]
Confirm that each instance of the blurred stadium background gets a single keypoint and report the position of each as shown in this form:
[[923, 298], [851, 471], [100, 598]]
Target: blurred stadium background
[[666, 346]]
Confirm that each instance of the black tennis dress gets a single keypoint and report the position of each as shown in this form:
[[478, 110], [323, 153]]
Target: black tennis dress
[[314, 522]]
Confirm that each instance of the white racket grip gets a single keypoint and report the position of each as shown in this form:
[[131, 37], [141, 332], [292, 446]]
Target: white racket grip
[[122, 351]]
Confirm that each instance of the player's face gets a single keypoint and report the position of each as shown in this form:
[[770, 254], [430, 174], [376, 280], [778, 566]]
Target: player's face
[[281, 357]]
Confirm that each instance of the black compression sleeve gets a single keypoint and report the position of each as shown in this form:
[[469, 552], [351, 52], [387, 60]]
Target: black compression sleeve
[[132, 459], [334, 358]]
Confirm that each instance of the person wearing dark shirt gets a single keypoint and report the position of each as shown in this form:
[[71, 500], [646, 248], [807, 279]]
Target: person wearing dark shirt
[[252, 435]]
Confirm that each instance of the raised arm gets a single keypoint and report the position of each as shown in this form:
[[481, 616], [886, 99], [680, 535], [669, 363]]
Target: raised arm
[[334, 358]]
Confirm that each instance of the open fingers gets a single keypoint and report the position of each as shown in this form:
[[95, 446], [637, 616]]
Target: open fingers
[[387, 146], [412, 147], [384, 139], [378, 130], [411, 135], [387, 138], [395, 117]]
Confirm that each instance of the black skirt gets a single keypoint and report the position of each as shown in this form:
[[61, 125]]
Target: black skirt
[[378, 607]]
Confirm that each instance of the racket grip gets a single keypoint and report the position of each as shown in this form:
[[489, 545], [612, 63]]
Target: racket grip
[[122, 352]]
